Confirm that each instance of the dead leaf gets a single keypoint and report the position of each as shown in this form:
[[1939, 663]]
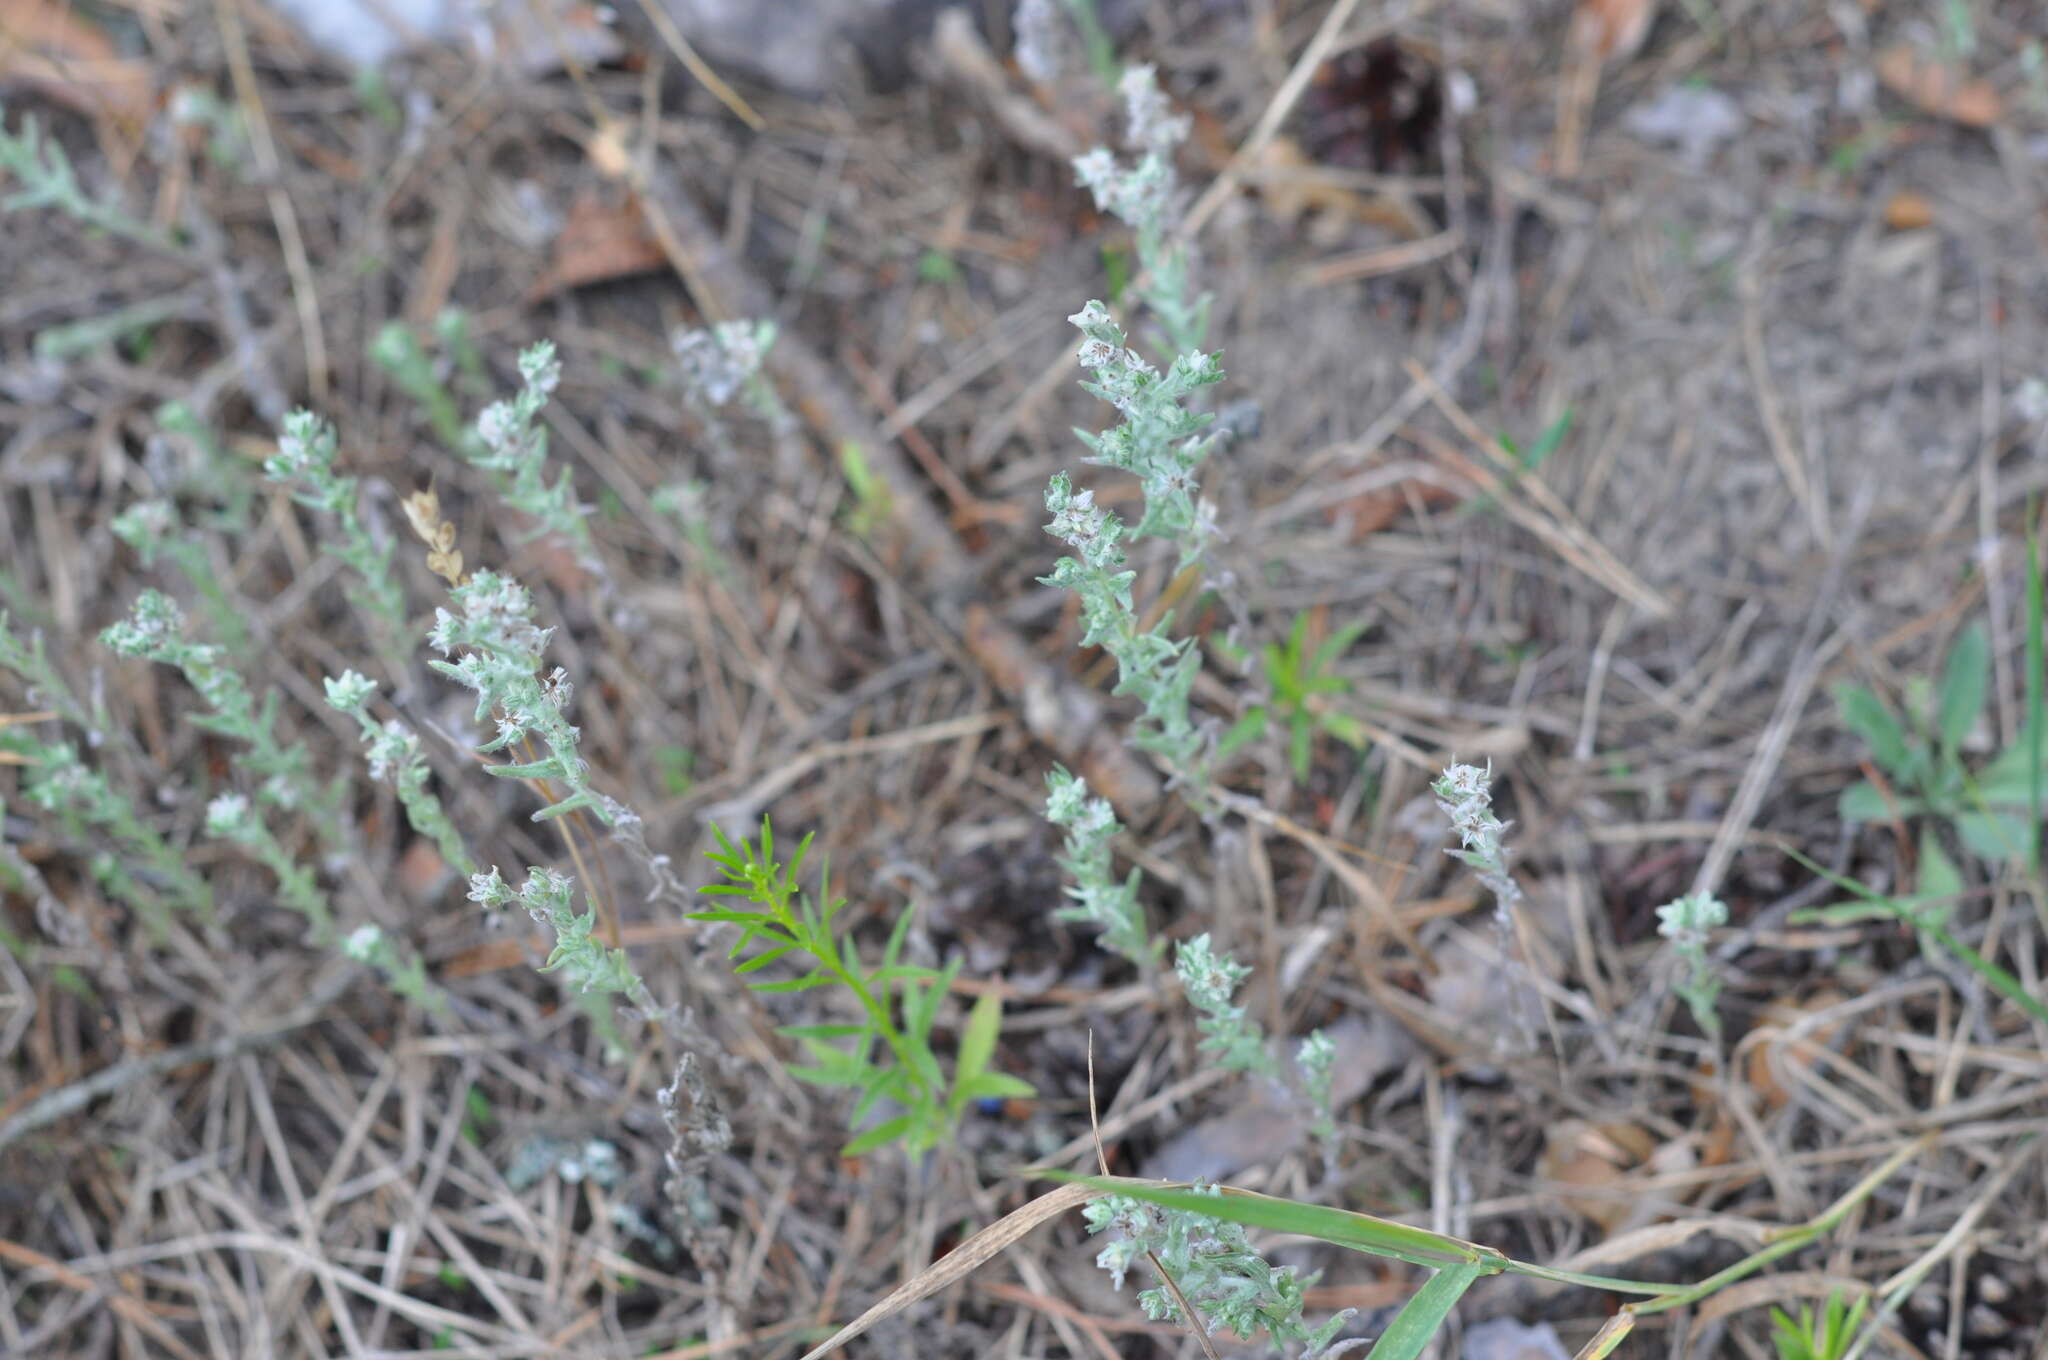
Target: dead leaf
[[421, 871], [1611, 31], [1291, 186], [610, 150], [1603, 32], [1938, 89], [1596, 1157], [1375, 510], [1908, 211], [1769, 1052], [603, 239], [1489, 1013], [1266, 1120], [49, 49]]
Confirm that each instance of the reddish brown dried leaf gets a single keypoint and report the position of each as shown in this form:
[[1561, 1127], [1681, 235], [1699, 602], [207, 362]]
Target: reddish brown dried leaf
[[1611, 30], [1908, 211], [1375, 510], [48, 48], [1939, 89], [602, 240]]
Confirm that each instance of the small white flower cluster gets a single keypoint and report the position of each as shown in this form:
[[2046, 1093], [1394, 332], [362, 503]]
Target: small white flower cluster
[[228, 816], [1161, 441], [370, 946], [1154, 126], [58, 778], [393, 747], [1099, 897], [1210, 981], [305, 448], [1082, 525], [514, 444], [142, 526], [304, 461], [1465, 793], [154, 631], [1688, 922], [493, 616], [548, 896], [1214, 1266], [393, 752], [154, 620], [718, 361], [1142, 193], [350, 691], [494, 613], [1044, 40], [364, 944]]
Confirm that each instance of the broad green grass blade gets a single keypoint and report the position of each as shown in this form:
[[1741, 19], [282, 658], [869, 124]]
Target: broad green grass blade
[[1340, 1227], [1420, 1317]]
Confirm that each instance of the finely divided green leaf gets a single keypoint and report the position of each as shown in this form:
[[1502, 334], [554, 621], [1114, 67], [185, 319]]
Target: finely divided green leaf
[[1334, 646], [978, 1038], [888, 1131], [985, 1084], [802, 984], [897, 934], [764, 958], [903, 973], [820, 1031], [1250, 727]]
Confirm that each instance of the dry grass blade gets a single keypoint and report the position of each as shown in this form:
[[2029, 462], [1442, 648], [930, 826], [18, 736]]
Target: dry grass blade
[[131, 1309], [961, 1262], [1608, 1337], [699, 69], [1550, 519], [12, 719]]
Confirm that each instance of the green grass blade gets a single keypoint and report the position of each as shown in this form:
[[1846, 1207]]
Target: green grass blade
[[1421, 1317], [1339, 1227], [2001, 981], [2034, 705]]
